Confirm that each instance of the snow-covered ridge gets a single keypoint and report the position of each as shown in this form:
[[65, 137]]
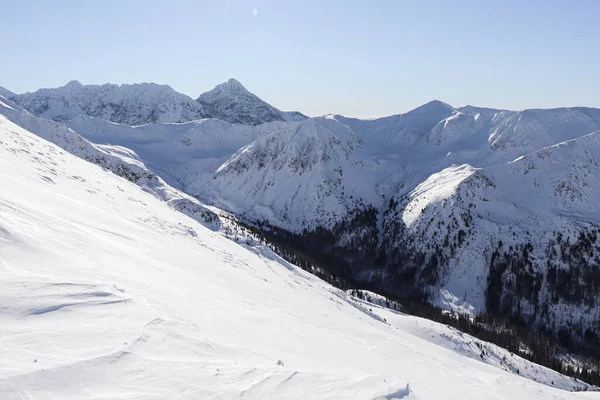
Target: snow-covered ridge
[[6, 93], [129, 104], [473, 110]]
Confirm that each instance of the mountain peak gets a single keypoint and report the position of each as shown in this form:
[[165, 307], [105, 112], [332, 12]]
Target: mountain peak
[[232, 85], [230, 101], [436, 104], [234, 82], [73, 84]]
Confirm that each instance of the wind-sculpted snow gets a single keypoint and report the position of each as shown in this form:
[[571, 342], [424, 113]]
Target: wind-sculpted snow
[[106, 292]]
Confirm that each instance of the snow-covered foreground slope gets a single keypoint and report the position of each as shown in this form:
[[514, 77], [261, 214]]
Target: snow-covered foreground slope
[[452, 339], [106, 292], [120, 160]]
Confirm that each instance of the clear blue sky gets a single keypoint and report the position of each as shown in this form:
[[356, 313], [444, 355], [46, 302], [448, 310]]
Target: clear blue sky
[[359, 58]]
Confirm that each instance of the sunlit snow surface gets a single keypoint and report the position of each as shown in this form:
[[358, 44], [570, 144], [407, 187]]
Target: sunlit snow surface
[[107, 293]]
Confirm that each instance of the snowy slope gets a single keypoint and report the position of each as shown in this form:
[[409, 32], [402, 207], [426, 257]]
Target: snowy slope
[[187, 155], [232, 102], [486, 138], [129, 104], [120, 160], [109, 293], [462, 343]]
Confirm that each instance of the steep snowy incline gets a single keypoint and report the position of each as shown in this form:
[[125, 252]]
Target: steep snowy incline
[[109, 293], [122, 161], [232, 102], [467, 345], [128, 104]]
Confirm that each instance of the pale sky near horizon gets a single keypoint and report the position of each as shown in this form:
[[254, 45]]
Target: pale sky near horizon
[[357, 58]]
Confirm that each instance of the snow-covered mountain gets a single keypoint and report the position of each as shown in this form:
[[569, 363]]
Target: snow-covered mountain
[[299, 177], [394, 134], [519, 238], [288, 174], [129, 104], [149, 103], [108, 292], [434, 200], [232, 102]]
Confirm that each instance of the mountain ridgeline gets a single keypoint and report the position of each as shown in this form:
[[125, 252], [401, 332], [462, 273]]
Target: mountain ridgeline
[[473, 209], [149, 103]]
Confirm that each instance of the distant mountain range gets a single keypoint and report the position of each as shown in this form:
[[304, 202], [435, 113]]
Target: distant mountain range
[[149, 103], [476, 209]]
